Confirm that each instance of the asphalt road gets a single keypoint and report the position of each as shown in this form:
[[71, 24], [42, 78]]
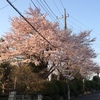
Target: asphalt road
[[94, 96]]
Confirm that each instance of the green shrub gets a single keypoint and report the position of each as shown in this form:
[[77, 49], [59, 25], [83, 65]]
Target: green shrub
[[79, 84], [49, 87], [92, 84], [56, 97], [47, 98], [73, 89], [87, 85], [62, 87]]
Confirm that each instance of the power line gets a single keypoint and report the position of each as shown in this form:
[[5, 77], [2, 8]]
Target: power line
[[7, 5], [29, 23], [82, 24], [33, 3], [76, 19], [73, 18], [49, 7], [43, 9], [56, 7], [32, 26], [82, 28], [62, 4], [50, 10], [79, 22], [46, 10], [75, 24]]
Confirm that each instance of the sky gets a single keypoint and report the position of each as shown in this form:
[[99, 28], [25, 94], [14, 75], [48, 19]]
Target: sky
[[82, 15]]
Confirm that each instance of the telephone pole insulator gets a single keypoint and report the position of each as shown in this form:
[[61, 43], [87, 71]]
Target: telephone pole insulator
[[65, 19]]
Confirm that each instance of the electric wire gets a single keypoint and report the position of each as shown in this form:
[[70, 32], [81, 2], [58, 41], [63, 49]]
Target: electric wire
[[29, 23], [96, 43], [48, 11], [7, 5], [75, 18], [62, 4], [70, 16], [86, 27], [49, 7], [44, 9], [75, 24], [51, 11], [71, 21], [80, 23], [77, 21], [56, 7], [33, 4]]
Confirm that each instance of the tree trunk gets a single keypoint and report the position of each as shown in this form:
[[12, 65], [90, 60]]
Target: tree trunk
[[15, 80], [3, 87]]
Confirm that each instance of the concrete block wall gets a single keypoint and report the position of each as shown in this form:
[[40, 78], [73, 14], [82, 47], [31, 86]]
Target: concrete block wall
[[13, 96]]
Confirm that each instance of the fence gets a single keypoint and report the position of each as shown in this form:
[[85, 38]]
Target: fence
[[14, 96]]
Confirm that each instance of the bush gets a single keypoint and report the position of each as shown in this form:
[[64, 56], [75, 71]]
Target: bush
[[54, 87], [79, 86], [56, 97], [50, 88], [73, 89], [62, 87], [47, 98], [87, 85]]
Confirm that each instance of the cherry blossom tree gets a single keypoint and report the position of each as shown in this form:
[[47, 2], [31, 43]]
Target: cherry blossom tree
[[75, 53], [67, 52]]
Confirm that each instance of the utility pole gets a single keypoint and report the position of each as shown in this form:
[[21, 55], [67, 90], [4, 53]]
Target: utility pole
[[67, 79], [65, 28], [65, 19]]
